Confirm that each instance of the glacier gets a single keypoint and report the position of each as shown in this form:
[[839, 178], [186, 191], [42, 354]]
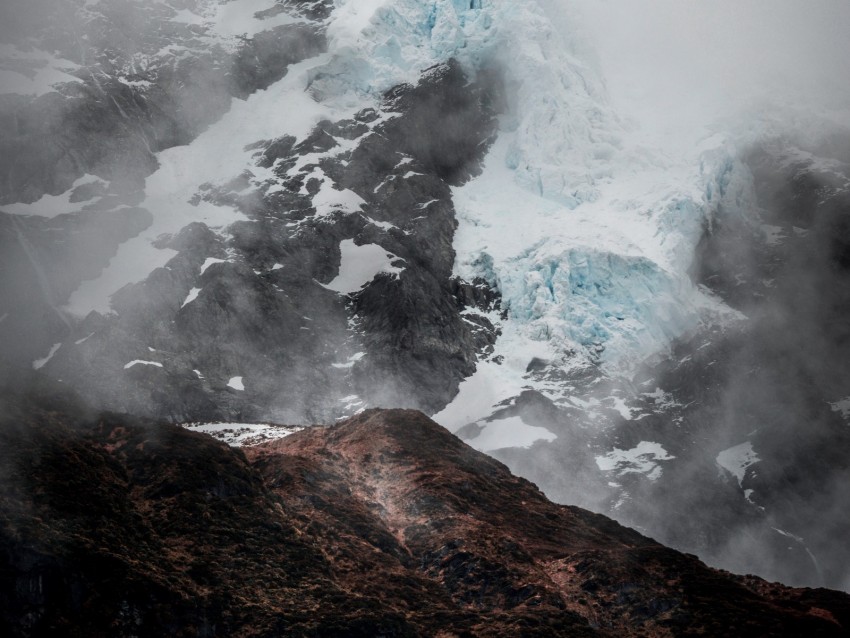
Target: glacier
[[596, 260], [583, 222], [540, 302]]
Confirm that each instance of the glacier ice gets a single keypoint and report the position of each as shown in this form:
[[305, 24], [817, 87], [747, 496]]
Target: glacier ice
[[564, 133]]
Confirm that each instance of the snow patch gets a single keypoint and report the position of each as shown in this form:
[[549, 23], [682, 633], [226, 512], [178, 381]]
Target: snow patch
[[38, 364], [773, 234], [620, 406], [737, 459], [509, 432], [350, 362], [330, 199], [52, 205], [209, 261], [352, 404], [243, 434], [644, 458], [229, 21], [236, 384], [136, 362], [359, 265], [39, 72], [663, 400], [496, 379], [193, 294]]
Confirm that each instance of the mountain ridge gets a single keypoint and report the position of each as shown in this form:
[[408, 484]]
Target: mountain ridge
[[385, 524], [294, 210]]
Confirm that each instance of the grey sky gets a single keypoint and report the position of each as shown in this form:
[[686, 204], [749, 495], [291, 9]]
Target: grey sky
[[693, 59]]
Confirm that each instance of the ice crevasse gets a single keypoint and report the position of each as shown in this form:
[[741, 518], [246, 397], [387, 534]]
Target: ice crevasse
[[586, 231]]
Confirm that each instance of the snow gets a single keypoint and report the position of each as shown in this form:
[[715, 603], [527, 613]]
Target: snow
[[584, 223], [243, 434], [663, 400], [359, 265], [350, 362], [193, 294], [236, 384], [382, 225], [352, 404], [330, 199], [214, 157], [237, 18], [350, 20], [38, 364], [494, 380], [209, 261], [136, 362], [644, 458], [52, 205], [39, 71], [84, 339], [509, 432], [620, 406], [737, 459]]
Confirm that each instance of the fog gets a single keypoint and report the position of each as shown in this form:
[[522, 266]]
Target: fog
[[676, 64], [675, 71], [678, 71]]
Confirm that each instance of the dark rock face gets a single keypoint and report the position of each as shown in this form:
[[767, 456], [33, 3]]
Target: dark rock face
[[263, 310], [383, 525], [147, 84]]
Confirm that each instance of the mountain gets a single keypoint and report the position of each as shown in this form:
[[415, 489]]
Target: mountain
[[384, 524], [283, 211]]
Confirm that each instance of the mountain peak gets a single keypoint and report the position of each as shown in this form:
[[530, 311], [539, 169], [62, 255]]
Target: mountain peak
[[384, 524]]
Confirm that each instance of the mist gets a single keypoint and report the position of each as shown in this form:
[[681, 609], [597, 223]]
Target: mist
[[765, 83], [242, 129], [772, 77], [672, 65]]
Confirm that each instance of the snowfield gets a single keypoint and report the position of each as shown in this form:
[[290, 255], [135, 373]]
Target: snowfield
[[510, 432], [360, 265], [243, 434]]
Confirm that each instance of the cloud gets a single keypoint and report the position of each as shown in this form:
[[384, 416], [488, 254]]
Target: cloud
[[686, 62]]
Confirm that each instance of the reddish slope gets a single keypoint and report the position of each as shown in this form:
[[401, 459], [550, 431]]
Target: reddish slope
[[385, 525], [394, 484]]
